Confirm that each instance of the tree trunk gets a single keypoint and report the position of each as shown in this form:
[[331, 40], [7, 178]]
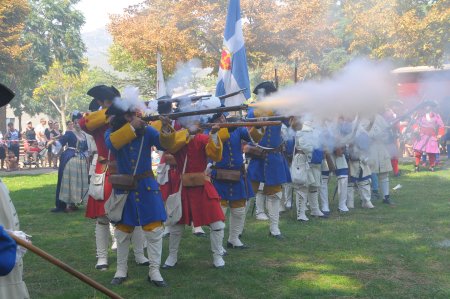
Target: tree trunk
[[62, 115], [20, 122], [63, 110]]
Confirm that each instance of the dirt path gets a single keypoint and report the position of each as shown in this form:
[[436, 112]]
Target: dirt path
[[27, 171]]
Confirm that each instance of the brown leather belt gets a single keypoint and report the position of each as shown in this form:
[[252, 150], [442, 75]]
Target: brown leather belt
[[278, 149], [147, 174]]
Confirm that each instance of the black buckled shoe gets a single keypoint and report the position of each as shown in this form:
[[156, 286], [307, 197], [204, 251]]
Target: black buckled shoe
[[387, 200], [278, 237], [324, 216], [168, 267], [230, 245], [200, 234], [103, 267], [118, 280], [143, 264], [159, 284]]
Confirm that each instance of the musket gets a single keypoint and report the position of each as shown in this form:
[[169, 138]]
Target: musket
[[408, 113], [197, 112], [65, 267], [244, 124], [268, 118], [231, 94], [194, 98]]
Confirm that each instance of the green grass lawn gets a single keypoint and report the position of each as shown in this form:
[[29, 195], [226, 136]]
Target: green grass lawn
[[387, 252]]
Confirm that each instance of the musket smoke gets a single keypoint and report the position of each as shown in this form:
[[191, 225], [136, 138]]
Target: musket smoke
[[186, 76], [130, 100], [203, 104], [363, 87]]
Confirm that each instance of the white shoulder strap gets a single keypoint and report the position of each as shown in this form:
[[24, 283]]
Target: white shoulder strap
[[139, 155]]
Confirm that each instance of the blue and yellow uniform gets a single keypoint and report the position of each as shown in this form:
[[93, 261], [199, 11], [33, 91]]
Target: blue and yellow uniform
[[273, 170], [145, 204], [232, 159]]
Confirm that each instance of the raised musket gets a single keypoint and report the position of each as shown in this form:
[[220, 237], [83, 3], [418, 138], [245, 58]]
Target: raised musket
[[267, 118], [408, 113], [244, 124], [195, 98], [197, 112]]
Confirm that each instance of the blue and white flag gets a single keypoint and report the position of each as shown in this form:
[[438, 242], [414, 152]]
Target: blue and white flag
[[233, 71]]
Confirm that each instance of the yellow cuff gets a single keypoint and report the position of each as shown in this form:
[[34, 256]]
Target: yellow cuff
[[213, 150], [223, 134], [95, 119], [122, 136], [167, 140], [157, 124], [174, 141]]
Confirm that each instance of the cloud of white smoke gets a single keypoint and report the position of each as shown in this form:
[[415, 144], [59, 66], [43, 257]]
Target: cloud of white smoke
[[363, 87]]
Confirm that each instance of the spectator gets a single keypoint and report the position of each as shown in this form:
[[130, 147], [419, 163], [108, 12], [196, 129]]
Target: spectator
[[2, 151], [30, 134], [54, 133], [13, 138], [69, 125], [48, 137], [33, 152], [40, 132], [11, 162]]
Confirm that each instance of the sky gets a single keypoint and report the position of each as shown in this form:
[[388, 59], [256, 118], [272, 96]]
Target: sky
[[96, 12]]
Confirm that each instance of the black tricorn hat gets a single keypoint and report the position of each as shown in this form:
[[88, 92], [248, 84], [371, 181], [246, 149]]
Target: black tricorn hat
[[267, 86], [102, 93], [6, 95]]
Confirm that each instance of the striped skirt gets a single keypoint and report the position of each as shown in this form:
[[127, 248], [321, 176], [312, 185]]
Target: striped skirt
[[74, 182]]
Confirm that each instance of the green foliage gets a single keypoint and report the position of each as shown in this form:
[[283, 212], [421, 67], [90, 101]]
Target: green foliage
[[59, 93], [53, 29]]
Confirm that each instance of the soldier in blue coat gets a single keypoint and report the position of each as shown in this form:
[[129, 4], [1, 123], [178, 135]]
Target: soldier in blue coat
[[234, 188], [127, 137], [268, 165]]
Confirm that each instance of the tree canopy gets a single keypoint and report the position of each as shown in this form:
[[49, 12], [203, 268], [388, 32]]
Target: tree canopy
[[318, 36]]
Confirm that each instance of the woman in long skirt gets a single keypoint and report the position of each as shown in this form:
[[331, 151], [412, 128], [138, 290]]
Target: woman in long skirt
[[72, 186]]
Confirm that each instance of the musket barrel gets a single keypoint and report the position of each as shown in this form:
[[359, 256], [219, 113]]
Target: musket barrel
[[244, 124], [197, 112], [268, 118]]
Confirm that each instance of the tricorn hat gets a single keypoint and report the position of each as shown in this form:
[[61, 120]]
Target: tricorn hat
[[267, 87], [6, 95], [101, 93]]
